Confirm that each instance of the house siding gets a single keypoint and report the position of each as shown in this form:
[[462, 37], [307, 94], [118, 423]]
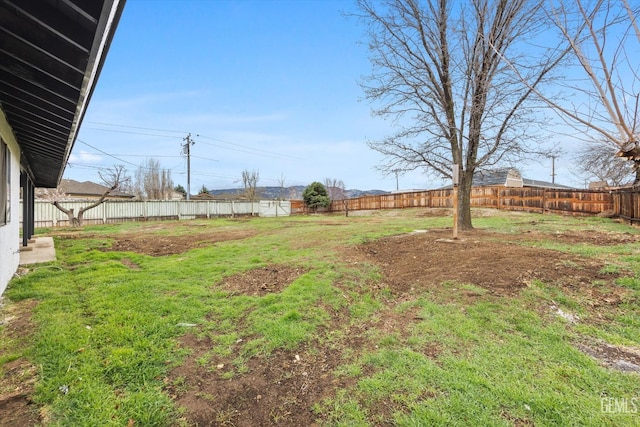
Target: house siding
[[10, 232]]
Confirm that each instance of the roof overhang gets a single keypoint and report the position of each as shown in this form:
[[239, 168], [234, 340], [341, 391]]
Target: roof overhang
[[51, 54]]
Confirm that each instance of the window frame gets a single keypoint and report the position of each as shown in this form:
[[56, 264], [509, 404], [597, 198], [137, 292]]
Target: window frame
[[5, 183]]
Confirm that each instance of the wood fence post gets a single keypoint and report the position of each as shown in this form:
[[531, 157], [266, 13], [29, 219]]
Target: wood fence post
[[455, 211]]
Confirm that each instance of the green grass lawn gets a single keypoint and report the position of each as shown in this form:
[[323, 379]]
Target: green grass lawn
[[108, 324]]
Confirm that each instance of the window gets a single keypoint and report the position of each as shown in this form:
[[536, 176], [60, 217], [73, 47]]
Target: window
[[5, 184]]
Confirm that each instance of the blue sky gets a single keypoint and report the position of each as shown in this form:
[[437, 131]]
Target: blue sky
[[267, 85]]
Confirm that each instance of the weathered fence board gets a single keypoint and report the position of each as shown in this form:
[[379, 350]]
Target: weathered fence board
[[114, 211], [576, 202], [626, 205], [274, 208]]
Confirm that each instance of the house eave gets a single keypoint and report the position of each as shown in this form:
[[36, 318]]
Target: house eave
[[51, 54]]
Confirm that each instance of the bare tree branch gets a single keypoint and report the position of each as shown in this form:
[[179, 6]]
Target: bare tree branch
[[599, 37]]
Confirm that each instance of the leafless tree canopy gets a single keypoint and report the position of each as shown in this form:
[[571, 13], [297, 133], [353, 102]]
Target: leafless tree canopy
[[439, 73], [250, 181], [599, 161], [153, 182], [281, 183], [335, 189], [603, 37], [116, 178]]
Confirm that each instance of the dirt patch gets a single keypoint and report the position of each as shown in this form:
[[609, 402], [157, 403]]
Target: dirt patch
[[159, 245], [588, 237], [276, 390], [624, 359], [425, 259], [261, 281], [132, 265], [17, 378]]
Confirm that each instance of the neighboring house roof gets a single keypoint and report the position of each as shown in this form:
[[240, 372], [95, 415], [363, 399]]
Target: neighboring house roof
[[87, 189], [221, 196], [509, 177], [544, 184], [598, 185], [202, 196], [52, 53], [176, 195]]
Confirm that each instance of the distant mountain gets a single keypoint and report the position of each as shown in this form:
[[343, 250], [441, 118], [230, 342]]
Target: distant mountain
[[289, 193]]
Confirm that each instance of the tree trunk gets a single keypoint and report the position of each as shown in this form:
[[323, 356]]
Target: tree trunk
[[464, 200], [77, 221], [73, 221], [636, 167]]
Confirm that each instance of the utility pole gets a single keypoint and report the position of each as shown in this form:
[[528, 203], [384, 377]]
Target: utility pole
[[553, 168], [397, 184], [186, 150]]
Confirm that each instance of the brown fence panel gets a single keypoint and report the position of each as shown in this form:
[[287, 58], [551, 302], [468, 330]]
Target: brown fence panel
[[485, 197], [389, 201], [297, 206], [522, 199], [625, 204], [441, 198], [578, 201]]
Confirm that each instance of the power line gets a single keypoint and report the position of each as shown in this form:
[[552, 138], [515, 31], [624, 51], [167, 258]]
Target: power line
[[116, 157], [134, 133], [145, 155], [204, 158], [105, 153], [251, 150], [174, 172], [137, 127], [257, 150]]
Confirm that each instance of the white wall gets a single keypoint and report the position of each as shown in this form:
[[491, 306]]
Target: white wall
[[10, 233]]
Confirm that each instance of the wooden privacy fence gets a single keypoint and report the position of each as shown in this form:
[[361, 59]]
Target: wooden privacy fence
[[577, 202], [626, 204]]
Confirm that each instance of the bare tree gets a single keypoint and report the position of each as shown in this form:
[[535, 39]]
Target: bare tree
[[281, 182], [335, 188], [438, 72], [337, 191], [599, 161], [250, 182], [603, 38], [113, 178], [153, 182]]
